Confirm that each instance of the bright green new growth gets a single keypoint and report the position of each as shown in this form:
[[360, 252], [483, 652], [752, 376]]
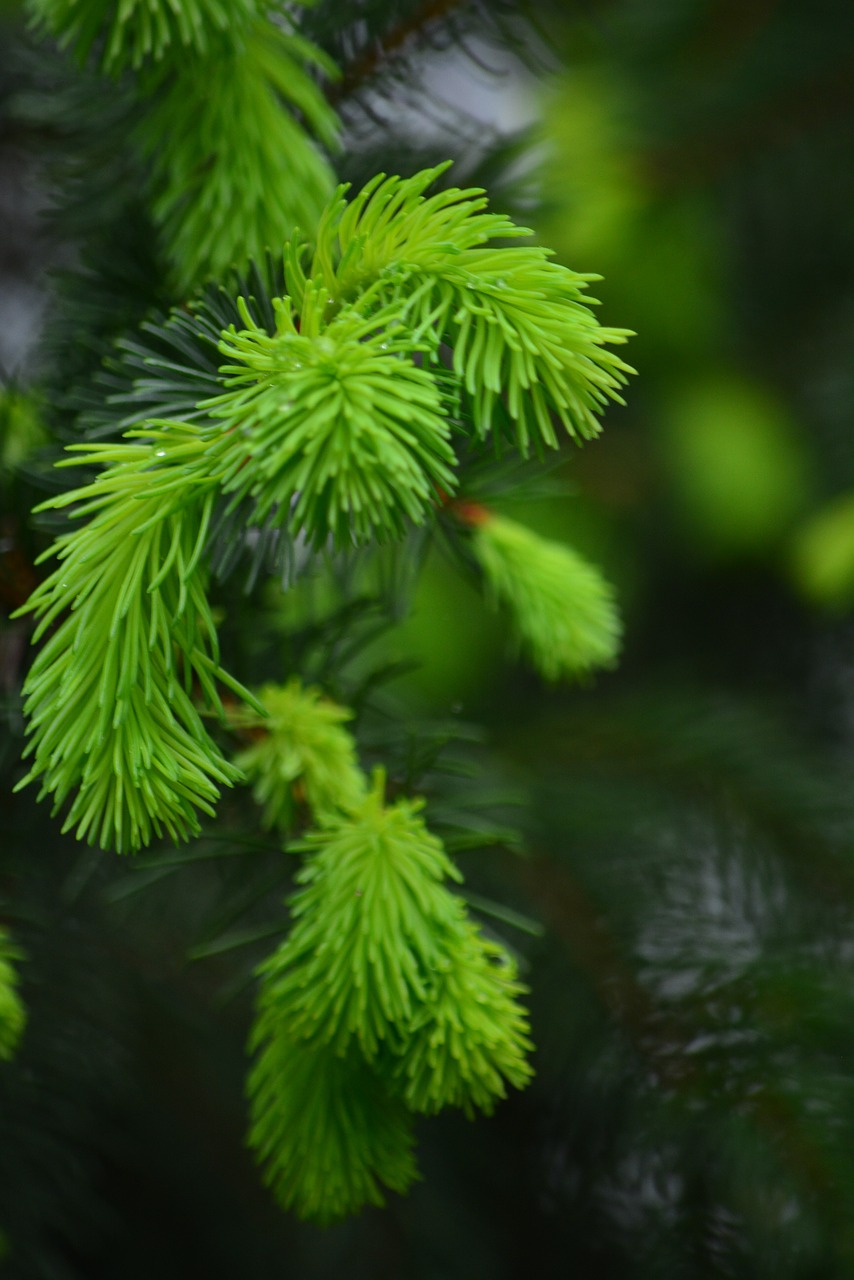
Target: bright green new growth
[[400, 330], [345, 432], [129, 32], [302, 746], [372, 924], [518, 324], [13, 1015], [337, 427], [383, 981], [471, 1035], [343, 423], [562, 609], [229, 110], [234, 171], [109, 697], [326, 1131]]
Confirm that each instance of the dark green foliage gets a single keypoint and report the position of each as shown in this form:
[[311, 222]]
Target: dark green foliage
[[13, 1016]]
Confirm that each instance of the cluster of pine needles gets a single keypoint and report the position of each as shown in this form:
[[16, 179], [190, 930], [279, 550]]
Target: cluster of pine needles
[[335, 404], [385, 1001]]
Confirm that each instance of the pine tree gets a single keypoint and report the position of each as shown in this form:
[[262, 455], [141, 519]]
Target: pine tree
[[335, 367], [299, 376]]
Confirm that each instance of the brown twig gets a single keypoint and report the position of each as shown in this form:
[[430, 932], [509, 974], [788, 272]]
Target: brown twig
[[370, 62], [18, 577]]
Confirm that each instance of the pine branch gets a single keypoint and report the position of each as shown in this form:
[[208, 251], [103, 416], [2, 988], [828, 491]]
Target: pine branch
[[518, 324], [385, 990], [335, 427], [234, 171], [109, 695], [365, 445], [133, 32], [470, 1036], [372, 923]]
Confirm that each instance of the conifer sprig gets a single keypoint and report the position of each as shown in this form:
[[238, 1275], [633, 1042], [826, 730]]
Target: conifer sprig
[[327, 1132], [372, 922], [385, 983], [130, 32], [334, 421], [471, 1036], [562, 609], [519, 325], [326, 409], [301, 744], [343, 423], [230, 118], [345, 434], [235, 170], [130, 634]]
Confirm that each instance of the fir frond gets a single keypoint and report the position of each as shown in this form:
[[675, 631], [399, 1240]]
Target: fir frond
[[130, 32], [109, 697], [372, 923], [382, 956], [472, 1035], [13, 1015], [301, 745], [344, 433], [327, 1133], [234, 170], [519, 325], [562, 609]]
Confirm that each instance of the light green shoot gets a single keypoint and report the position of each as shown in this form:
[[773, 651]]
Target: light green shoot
[[562, 609], [301, 750], [129, 640]]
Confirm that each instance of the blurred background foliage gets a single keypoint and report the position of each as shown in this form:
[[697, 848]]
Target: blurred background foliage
[[681, 894]]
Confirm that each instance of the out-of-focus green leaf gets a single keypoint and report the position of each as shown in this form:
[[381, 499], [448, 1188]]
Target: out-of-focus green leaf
[[739, 474], [822, 556]]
